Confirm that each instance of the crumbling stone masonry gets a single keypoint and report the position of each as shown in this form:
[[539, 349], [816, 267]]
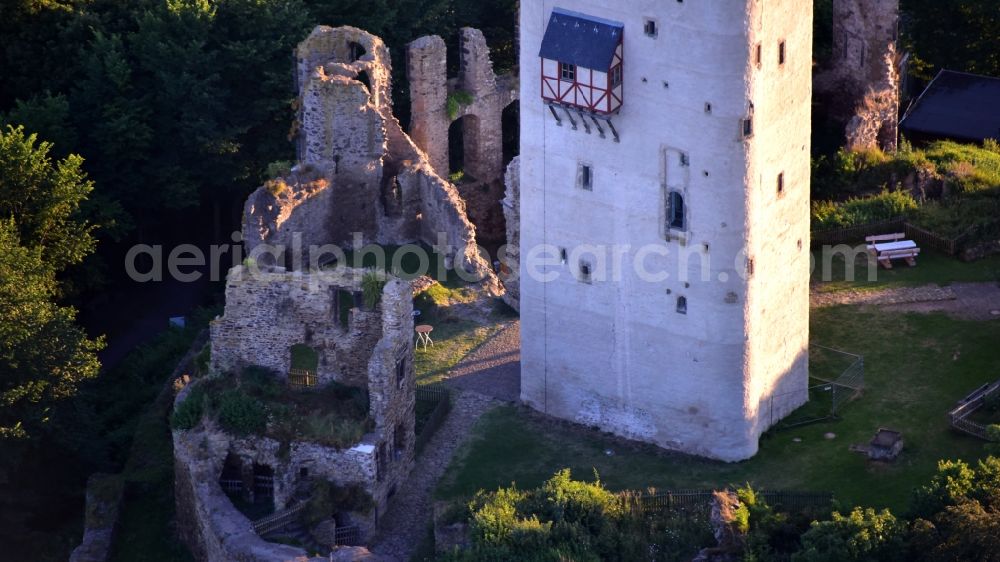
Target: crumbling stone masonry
[[266, 313], [862, 84], [430, 89], [510, 270], [358, 172]]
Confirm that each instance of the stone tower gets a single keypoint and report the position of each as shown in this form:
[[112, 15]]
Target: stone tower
[[664, 204]]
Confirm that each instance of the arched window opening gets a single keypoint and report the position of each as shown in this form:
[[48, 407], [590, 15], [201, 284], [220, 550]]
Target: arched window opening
[[676, 219]]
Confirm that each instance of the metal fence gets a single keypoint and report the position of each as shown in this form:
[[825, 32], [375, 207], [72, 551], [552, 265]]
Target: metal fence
[[348, 536], [829, 392], [693, 501], [302, 378], [959, 416], [278, 520], [442, 400]]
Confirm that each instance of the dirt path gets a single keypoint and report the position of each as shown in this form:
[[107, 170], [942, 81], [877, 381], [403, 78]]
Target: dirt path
[[481, 381], [970, 301]]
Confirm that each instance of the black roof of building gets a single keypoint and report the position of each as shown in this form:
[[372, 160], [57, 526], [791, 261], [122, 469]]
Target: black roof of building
[[580, 39], [956, 105]]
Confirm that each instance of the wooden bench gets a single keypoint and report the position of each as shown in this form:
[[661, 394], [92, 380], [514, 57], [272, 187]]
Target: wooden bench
[[909, 254], [872, 240]]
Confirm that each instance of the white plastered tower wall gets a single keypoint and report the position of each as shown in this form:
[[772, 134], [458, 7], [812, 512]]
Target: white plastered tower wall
[[615, 353]]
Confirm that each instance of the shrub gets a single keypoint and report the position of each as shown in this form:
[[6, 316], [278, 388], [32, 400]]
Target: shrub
[[862, 535], [372, 284], [276, 186], [189, 412], [861, 210], [279, 169], [241, 414], [494, 515]]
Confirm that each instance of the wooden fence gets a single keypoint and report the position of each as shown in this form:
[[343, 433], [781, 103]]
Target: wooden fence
[[701, 500], [442, 398], [856, 234], [924, 238], [959, 416], [278, 520]]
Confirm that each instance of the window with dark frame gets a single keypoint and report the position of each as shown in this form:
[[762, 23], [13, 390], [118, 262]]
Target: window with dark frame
[[682, 305], [567, 71], [748, 127], [585, 176], [616, 76], [650, 28]]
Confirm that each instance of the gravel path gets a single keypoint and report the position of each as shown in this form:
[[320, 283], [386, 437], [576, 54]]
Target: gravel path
[[493, 368], [484, 378], [897, 295], [968, 301]]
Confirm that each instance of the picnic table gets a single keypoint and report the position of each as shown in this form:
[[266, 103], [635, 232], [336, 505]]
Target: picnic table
[[888, 247]]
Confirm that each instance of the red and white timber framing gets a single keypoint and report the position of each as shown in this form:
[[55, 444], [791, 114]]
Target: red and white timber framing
[[590, 89]]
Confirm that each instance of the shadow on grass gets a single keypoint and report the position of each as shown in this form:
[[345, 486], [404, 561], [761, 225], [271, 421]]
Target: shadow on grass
[[912, 380]]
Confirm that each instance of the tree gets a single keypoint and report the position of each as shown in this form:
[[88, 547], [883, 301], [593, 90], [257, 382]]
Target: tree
[[44, 355], [43, 200], [956, 35]]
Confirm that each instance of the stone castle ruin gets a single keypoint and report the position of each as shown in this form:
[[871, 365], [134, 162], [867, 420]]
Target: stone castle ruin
[[862, 85], [473, 104], [362, 347], [358, 171]]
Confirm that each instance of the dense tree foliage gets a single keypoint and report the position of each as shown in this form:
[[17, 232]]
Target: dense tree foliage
[[44, 355], [956, 35]]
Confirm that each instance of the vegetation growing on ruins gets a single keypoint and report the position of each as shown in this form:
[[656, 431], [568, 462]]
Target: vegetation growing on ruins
[[960, 181], [260, 404]]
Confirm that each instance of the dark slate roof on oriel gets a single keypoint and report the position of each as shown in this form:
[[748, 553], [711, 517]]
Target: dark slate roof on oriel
[[957, 105], [580, 39]]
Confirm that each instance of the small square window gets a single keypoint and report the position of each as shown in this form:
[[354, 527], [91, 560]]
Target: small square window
[[567, 71], [682, 305], [781, 183], [585, 177], [650, 28], [781, 53], [586, 270]]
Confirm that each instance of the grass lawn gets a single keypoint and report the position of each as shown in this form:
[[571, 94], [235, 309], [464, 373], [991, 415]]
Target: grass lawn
[[932, 268], [912, 380]]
